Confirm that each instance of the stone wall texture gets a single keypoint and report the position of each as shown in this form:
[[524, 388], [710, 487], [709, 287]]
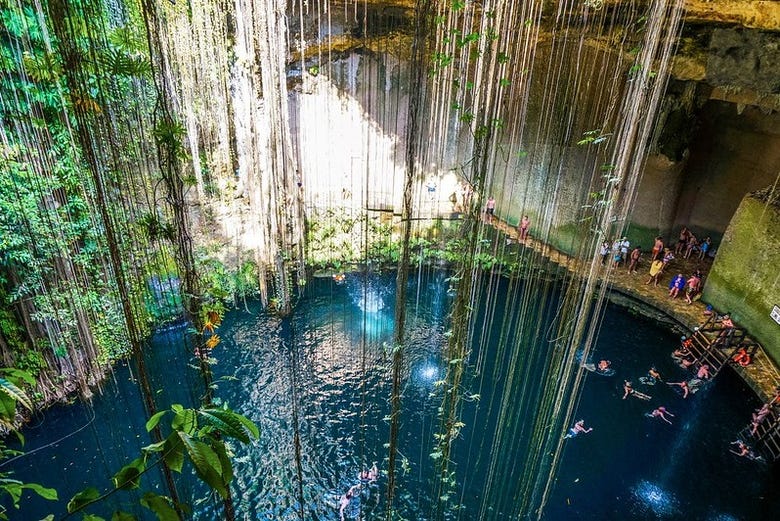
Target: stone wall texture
[[744, 279]]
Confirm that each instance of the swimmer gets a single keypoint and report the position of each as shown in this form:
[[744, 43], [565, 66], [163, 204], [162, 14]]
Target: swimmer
[[742, 449], [703, 372], [346, 498], [682, 385], [604, 365], [369, 475], [660, 413], [579, 427], [654, 374], [628, 390]]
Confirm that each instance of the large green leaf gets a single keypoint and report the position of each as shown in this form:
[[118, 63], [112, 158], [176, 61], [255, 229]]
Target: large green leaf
[[123, 516], [206, 462], [9, 389], [160, 506], [92, 517], [129, 476], [226, 422], [173, 454], [248, 424], [154, 420], [185, 420], [7, 410], [224, 459], [44, 492], [82, 499]]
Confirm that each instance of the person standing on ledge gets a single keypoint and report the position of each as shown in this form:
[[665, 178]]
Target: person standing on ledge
[[636, 254], [490, 208], [522, 228], [656, 268]]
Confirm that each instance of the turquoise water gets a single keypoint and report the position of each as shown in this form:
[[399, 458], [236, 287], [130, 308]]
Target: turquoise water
[[330, 361]]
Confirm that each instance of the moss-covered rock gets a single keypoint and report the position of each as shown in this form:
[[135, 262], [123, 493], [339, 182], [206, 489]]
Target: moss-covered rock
[[744, 278]]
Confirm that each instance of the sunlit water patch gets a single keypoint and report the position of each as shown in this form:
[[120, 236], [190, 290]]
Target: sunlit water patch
[[651, 499]]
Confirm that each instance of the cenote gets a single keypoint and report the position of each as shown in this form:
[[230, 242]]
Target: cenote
[[324, 373]]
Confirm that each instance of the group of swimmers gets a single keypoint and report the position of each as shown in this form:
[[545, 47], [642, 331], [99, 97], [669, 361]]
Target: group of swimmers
[[366, 477]]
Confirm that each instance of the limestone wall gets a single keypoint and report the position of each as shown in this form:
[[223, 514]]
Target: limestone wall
[[744, 279]]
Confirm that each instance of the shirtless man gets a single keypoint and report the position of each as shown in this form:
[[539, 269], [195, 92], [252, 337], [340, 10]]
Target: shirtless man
[[636, 254], [579, 427], [658, 247]]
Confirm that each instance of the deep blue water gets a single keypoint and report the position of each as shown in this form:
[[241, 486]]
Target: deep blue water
[[331, 362]]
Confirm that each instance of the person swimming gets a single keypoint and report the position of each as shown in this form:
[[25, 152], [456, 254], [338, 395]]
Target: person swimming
[[346, 498], [628, 390], [579, 427], [661, 412], [369, 475], [683, 386], [652, 377], [603, 365]]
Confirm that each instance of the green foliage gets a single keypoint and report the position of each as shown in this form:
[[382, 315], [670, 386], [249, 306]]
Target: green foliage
[[197, 436], [12, 383], [593, 137], [169, 136]]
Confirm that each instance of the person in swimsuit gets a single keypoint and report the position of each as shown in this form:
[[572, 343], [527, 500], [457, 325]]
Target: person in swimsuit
[[369, 475], [655, 375], [579, 427], [681, 241], [742, 357], [661, 412], [490, 207], [692, 288], [603, 365], [703, 372], [628, 390], [742, 449], [636, 254], [658, 247], [346, 498], [682, 385], [522, 228]]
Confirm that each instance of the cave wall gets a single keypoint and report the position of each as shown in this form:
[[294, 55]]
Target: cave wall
[[735, 150], [744, 277]]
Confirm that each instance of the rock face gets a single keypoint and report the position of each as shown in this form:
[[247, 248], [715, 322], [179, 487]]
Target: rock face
[[743, 279], [745, 59]]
